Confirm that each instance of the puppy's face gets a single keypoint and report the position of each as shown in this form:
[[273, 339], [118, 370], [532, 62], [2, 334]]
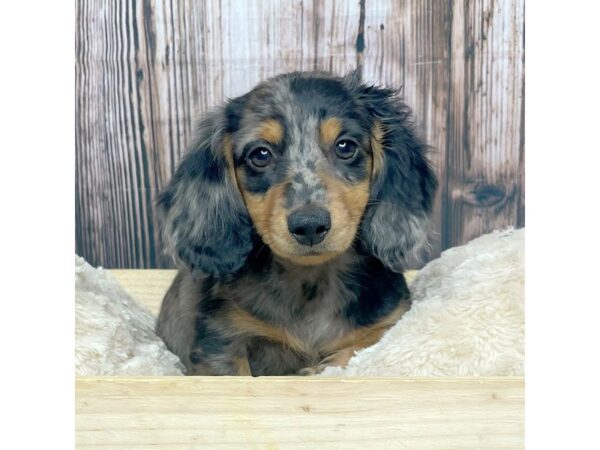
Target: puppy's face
[[309, 162], [303, 160]]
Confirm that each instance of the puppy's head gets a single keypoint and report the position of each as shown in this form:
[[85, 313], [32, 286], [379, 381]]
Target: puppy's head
[[307, 163]]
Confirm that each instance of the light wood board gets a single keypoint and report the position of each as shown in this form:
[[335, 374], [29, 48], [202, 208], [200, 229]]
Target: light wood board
[[299, 413], [147, 287]]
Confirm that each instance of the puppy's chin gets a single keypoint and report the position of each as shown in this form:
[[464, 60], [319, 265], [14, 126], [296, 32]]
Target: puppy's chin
[[313, 259], [286, 248], [305, 256]]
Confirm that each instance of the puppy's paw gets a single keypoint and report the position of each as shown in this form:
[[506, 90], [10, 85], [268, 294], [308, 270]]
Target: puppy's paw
[[314, 370], [337, 359]]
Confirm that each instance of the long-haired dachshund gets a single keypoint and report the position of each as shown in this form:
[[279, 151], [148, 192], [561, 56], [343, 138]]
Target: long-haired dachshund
[[290, 219]]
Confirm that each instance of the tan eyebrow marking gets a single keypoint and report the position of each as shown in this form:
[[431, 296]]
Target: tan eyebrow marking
[[271, 131], [330, 130]]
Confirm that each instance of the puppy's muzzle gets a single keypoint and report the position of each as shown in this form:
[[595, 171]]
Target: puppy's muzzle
[[309, 225]]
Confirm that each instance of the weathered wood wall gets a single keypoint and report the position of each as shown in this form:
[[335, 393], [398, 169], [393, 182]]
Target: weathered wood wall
[[146, 70]]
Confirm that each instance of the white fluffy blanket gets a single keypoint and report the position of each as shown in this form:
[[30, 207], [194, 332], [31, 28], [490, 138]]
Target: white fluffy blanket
[[467, 316], [467, 319], [113, 334]]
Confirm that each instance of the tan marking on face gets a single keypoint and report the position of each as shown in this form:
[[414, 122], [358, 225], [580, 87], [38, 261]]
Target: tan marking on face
[[245, 323], [346, 204], [271, 131], [377, 147], [268, 214], [270, 220], [329, 131], [241, 179], [227, 150]]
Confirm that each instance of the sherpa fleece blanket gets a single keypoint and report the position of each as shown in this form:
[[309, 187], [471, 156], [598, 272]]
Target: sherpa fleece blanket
[[467, 319]]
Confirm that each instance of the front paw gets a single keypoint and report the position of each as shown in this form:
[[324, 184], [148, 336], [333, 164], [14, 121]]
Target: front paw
[[314, 370], [338, 359]]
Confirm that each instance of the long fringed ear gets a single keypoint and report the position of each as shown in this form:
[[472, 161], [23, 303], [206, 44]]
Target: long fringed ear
[[403, 184], [205, 224]]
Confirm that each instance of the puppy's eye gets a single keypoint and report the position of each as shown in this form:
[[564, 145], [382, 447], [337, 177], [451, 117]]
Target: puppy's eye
[[260, 157], [345, 148]]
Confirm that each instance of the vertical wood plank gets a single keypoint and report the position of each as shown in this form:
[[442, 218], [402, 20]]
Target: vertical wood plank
[[407, 44], [484, 189], [271, 37]]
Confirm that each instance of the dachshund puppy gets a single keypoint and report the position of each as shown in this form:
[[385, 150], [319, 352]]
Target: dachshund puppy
[[290, 219]]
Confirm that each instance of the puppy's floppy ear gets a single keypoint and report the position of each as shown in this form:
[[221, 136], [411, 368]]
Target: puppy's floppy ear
[[205, 224], [403, 184]]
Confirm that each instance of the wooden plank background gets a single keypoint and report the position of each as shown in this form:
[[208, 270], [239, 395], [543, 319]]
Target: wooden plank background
[[146, 70]]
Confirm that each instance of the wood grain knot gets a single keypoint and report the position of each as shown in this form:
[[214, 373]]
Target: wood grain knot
[[483, 194]]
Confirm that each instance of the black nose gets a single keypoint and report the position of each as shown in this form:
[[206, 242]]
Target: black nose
[[309, 224]]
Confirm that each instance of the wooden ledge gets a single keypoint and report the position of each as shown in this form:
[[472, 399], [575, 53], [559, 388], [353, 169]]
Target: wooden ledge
[[299, 413]]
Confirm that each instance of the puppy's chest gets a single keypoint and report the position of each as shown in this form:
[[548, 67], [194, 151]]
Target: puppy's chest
[[321, 319], [310, 308]]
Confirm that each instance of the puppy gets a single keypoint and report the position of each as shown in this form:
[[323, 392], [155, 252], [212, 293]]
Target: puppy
[[290, 219]]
